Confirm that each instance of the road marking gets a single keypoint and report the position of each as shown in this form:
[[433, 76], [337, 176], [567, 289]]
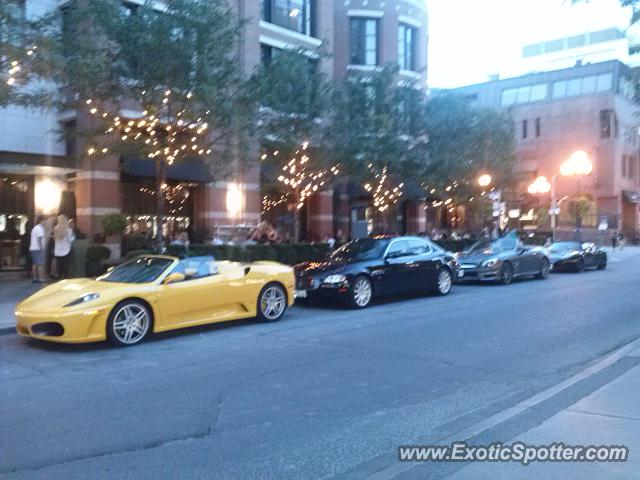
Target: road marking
[[400, 467]]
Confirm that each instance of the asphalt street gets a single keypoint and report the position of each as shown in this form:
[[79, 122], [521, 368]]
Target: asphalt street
[[324, 393]]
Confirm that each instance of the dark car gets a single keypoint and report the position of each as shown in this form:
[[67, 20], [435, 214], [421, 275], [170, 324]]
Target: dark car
[[576, 256], [373, 267], [502, 260]]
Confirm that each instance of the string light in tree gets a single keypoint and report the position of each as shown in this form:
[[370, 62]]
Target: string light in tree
[[14, 69], [383, 195], [301, 179], [270, 203], [175, 196], [165, 135]]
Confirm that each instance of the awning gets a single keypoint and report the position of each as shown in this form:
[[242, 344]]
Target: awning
[[186, 171], [633, 197]]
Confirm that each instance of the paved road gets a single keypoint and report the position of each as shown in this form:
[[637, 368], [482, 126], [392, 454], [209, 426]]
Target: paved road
[[323, 393]]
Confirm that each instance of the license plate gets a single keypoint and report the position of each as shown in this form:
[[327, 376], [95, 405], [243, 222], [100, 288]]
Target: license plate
[[460, 273], [300, 294]]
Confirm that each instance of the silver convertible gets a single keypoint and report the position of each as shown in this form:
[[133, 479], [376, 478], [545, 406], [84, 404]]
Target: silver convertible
[[502, 260]]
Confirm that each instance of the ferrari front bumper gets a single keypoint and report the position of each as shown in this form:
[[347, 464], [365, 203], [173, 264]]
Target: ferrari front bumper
[[77, 326]]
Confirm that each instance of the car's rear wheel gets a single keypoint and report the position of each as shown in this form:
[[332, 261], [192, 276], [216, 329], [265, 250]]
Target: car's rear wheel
[[129, 323], [360, 292], [506, 274], [272, 303], [545, 268], [602, 264], [444, 281], [580, 265]]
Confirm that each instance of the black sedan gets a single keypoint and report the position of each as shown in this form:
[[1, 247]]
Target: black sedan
[[576, 256], [502, 260], [373, 267]]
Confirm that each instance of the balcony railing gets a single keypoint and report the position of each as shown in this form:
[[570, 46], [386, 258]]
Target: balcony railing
[[295, 15]]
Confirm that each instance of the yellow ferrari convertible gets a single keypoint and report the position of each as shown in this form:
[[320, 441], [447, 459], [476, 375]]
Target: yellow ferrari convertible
[[155, 293]]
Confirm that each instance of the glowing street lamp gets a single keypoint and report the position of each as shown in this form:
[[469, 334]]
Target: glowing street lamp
[[541, 186], [484, 180], [579, 164]]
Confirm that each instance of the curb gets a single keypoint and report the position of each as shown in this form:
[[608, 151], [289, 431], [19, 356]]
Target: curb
[[7, 330]]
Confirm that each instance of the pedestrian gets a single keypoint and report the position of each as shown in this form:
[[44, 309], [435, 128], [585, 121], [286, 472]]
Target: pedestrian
[[614, 240], [36, 249], [63, 238], [496, 231]]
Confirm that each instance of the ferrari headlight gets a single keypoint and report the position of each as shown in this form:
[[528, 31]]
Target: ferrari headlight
[[334, 279], [490, 263], [84, 299]]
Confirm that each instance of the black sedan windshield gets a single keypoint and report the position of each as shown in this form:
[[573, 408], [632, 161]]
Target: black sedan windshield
[[361, 249], [498, 245], [139, 270], [564, 246]]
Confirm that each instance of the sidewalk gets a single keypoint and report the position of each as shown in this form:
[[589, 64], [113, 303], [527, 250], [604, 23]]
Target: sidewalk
[[12, 292], [608, 416]]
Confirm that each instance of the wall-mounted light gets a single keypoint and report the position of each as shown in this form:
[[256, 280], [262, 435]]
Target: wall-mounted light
[[47, 195], [235, 200]]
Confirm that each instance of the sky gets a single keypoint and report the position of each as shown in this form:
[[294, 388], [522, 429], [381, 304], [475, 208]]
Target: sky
[[469, 40]]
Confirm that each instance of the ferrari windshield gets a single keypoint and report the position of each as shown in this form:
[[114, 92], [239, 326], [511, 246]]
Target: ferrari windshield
[[361, 249], [564, 246], [138, 270], [498, 245]]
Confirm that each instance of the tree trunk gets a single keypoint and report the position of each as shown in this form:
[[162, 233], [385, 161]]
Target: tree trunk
[[160, 181], [296, 224]]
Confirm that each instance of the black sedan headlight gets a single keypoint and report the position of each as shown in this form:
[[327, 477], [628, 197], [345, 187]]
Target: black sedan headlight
[[89, 297], [335, 279]]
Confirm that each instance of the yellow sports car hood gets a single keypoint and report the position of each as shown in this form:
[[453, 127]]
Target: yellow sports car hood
[[59, 294]]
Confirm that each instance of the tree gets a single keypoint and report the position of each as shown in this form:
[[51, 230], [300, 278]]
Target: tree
[[465, 142], [634, 4], [295, 103], [379, 133], [176, 69], [27, 56]]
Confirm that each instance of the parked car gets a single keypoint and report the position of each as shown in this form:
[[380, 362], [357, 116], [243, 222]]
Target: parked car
[[576, 256], [366, 268], [502, 260], [155, 293]]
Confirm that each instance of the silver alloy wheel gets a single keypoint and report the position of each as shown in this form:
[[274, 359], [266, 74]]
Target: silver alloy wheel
[[362, 292], [544, 271], [273, 302], [444, 281], [131, 323]]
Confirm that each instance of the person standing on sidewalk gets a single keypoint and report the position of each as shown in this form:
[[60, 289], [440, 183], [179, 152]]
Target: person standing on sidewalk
[[63, 238], [36, 249]]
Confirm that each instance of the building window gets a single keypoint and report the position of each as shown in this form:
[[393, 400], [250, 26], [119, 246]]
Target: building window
[[583, 86], [407, 47], [624, 166], [537, 127], [608, 124], [296, 15], [268, 53], [524, 129], [364, 41], [632, 167], [525, 94]]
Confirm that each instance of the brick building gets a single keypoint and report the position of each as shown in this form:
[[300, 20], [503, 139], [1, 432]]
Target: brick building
[[589, 107], [38, 169]]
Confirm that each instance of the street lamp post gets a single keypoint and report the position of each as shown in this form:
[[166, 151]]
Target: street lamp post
[[541, 185]]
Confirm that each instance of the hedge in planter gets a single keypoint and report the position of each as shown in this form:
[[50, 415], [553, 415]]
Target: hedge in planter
[[95, 255]]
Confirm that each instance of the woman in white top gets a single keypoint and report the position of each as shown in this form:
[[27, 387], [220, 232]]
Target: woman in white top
[[63, 237]]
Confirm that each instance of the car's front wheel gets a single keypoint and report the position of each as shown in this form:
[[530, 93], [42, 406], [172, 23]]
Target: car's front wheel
[[580, 265], [444, 281], [602, 264], [272, 303], [129, 323], [545, 267], [360, 292], [506, 274]]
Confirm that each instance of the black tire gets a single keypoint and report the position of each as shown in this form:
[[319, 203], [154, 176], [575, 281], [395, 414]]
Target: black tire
[[602, 264], [444, 282], [506, 274], [123, 331], [580, 265], [545, 268], [272, 303], [358, 297]]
